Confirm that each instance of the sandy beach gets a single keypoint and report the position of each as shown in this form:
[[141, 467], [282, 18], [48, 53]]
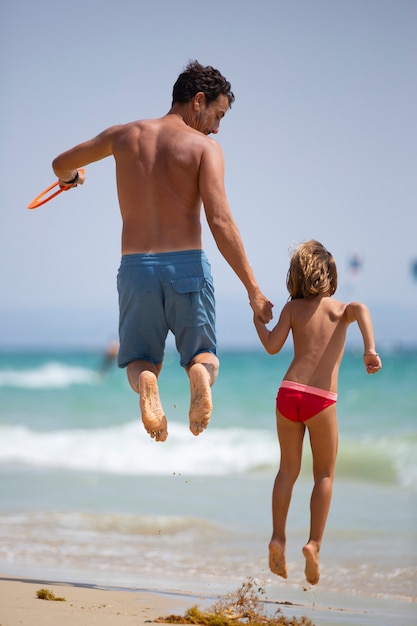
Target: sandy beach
[[91, 605]]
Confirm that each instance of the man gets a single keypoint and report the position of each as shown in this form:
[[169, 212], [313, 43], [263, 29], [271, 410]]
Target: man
[[166, 169]]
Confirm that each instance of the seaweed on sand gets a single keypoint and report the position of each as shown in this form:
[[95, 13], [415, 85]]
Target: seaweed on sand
[[45, 594], [243, 607]]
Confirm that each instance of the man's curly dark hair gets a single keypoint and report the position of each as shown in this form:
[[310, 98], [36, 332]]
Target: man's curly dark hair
[[207, 79]]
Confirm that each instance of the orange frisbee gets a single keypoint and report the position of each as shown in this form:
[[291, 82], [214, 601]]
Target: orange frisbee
[[43, 197]]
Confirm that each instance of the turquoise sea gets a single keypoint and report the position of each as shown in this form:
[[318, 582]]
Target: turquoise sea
[[87, 496]]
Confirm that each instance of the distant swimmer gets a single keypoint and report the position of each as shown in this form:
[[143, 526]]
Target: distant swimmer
[[110, 357]]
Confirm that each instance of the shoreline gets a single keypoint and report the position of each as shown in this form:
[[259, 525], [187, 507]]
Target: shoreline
[[104, 605]]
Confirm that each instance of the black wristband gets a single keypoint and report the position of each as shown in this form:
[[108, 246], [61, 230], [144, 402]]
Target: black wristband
[[73, 180]]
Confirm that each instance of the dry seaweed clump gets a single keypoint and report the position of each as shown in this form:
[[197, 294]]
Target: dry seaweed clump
[[45, 594], [243, 607]]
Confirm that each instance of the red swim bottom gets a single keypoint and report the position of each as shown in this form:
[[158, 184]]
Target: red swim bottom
[[299, 403]]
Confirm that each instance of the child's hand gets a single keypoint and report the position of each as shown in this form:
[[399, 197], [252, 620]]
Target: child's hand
[[372, 362]]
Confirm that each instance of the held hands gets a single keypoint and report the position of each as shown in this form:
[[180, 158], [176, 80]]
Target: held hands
[[372, 362], [262, 308]]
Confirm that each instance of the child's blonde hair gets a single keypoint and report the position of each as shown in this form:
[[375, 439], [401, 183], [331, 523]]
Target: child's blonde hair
[[312, 271]]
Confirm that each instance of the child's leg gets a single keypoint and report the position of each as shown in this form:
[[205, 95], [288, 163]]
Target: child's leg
[[323, 433], [290, 435]]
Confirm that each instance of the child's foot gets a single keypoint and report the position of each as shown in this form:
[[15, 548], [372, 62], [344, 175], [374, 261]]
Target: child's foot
[[200, 404], [153, 416], [277, 562], [312, 569]]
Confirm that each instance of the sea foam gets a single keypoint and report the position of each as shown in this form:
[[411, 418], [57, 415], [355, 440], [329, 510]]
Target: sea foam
[[127, 449]]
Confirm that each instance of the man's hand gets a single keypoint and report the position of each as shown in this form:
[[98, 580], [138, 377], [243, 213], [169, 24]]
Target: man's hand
[[77, 178], [262, 308]]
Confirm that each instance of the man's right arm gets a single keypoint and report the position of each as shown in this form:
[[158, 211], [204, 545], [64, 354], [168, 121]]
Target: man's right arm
[[224, 228], [66, 164]]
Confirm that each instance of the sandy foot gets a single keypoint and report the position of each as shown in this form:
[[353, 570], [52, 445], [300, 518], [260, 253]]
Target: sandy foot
[[277, 563], [312, 569], [153, 416], [201, 404]]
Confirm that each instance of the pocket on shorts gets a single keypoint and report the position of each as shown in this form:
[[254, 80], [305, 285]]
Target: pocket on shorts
[[188, 285], [192, 297]]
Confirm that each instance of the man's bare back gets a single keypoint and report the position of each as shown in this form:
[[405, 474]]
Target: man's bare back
[[157, 169]]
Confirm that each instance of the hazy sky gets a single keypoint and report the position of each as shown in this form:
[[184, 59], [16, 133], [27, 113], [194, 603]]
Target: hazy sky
[[320, 143]]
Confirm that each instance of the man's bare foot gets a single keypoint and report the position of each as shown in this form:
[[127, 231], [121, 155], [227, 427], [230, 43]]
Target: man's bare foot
[[277, 562], [153, 416], [200, 404], [312, 569]]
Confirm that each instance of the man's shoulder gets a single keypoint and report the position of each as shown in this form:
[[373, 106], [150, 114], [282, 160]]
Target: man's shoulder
[[130, 131], [137, 125]]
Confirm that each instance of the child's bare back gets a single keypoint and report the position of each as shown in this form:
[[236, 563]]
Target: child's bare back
[[319, 330]]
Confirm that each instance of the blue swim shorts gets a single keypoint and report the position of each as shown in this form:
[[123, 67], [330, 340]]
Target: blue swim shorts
[[166, 291]]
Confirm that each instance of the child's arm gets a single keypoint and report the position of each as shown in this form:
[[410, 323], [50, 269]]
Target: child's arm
[[358, 312], [273, 340]]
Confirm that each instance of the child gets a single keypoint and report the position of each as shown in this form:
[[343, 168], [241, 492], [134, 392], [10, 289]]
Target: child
[[307, 395]]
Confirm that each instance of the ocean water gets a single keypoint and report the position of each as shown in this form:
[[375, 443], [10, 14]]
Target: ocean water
[[87, 496]]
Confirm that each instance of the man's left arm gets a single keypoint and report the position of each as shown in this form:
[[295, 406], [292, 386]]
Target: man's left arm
[[224, 229]]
